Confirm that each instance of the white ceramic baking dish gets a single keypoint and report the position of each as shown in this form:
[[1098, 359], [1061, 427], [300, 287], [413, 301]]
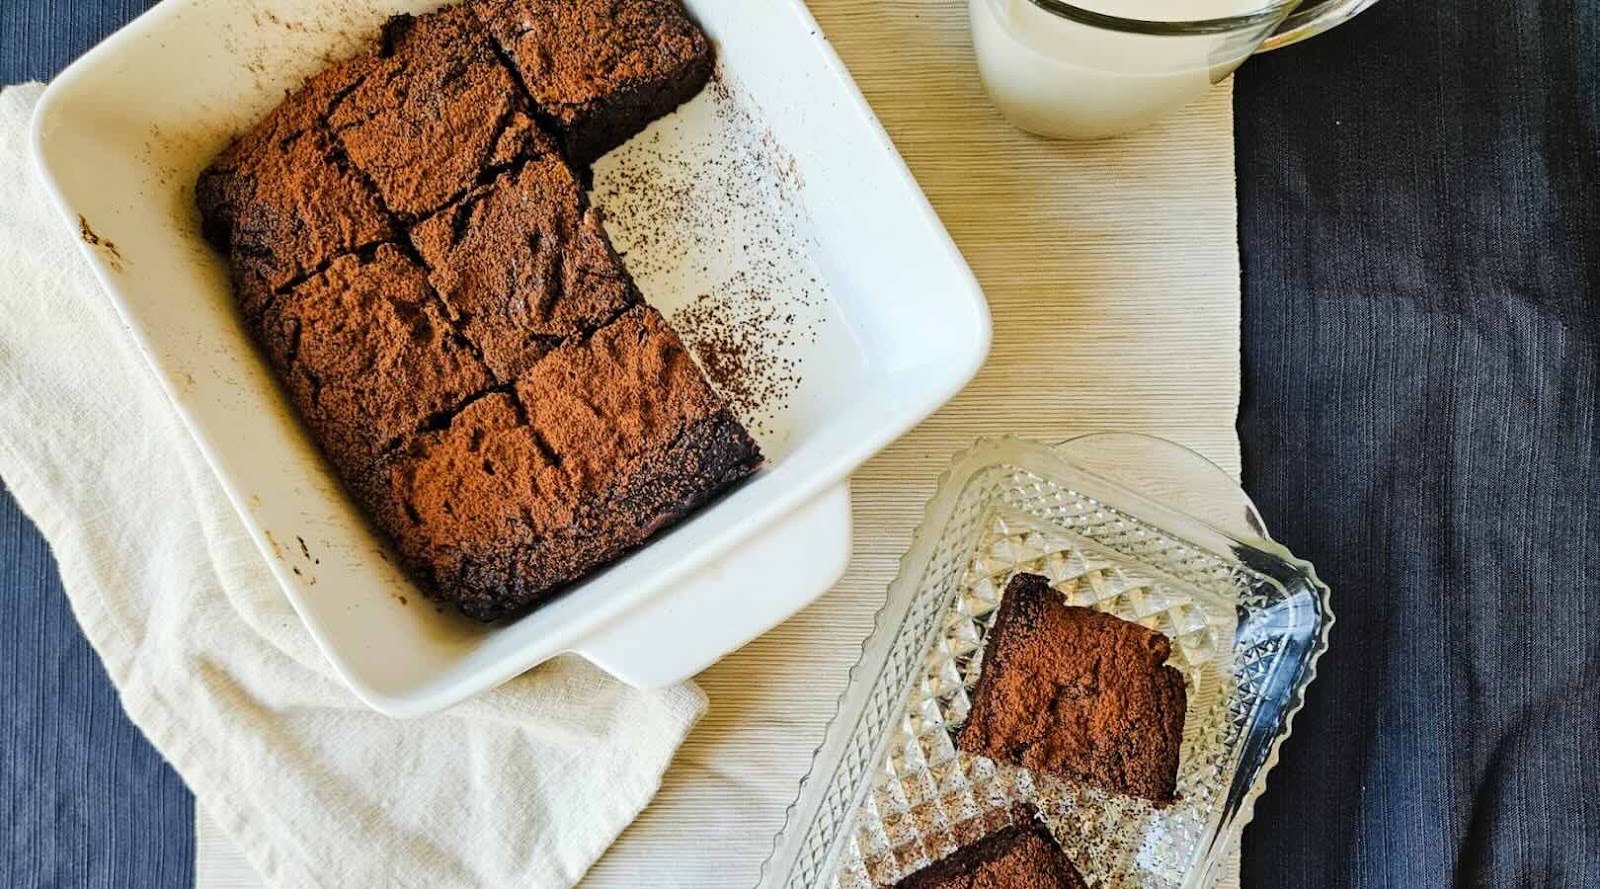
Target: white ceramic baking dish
[[895, 326]]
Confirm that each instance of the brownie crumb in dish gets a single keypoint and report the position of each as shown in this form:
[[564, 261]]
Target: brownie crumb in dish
[[602, 70], [1077, 693], [605, 441], [1023, 855], [432, 109], [523, 263]]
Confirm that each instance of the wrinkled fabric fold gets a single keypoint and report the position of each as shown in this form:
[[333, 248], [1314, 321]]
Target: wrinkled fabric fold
[[1420, 214]]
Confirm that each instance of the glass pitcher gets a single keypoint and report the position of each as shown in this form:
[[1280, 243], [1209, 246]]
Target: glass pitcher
[[1094, 68]]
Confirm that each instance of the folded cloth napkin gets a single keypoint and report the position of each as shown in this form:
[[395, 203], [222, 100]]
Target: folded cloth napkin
[[524, 786]]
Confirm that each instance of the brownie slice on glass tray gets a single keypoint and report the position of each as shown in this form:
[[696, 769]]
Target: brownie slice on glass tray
[[1022, 855], [1077, 693]]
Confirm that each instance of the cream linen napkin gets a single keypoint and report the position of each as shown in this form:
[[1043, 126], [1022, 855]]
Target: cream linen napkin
[[523, 787]]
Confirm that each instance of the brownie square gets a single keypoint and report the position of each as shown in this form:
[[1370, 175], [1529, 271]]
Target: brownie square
[[279, 199], [602, 443], [464, 502], [433, 113], [1077, 693], [523, 264], [600, 69], [1023, 855], [367, 356]]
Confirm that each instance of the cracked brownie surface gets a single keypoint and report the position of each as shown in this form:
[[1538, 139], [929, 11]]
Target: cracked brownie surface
[[1077, 693], [367, 355], [433, 110], [603, 442], [523, 264], [602, 70], [280, 200]]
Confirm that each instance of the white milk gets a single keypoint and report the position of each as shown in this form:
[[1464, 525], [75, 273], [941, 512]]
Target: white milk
[[1062, 78]]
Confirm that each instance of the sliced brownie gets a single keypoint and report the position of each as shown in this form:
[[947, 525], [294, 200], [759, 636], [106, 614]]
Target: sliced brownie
[[280, 200], [602, 443], [602, 70], [433, 112], [464, 503], [1079, 693], [1019, 856], [522, 264], [411, 248], [367, 356]]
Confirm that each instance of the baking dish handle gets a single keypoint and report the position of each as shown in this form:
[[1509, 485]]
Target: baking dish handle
[[730, 601]]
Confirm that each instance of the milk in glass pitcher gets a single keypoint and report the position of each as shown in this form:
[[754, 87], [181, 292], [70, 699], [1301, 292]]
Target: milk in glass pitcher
[[1087, 69]]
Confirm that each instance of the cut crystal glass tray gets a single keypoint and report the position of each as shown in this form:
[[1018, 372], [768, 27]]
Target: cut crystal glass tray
[[1130, 525]]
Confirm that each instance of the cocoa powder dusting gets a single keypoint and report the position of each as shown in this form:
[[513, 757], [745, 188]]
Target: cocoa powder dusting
[[735, 343], [708, 213]]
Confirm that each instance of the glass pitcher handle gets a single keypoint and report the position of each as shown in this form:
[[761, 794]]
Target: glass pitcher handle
[[1312, 18]]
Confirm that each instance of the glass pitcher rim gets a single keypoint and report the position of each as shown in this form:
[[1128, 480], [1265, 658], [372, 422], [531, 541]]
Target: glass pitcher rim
[[1267, 15]]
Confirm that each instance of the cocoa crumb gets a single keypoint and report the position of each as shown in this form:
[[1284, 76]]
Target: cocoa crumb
[[107, 248]]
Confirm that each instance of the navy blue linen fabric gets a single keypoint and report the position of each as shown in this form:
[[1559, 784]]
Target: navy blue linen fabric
[[1420, 226], [1419, 200], [84, 800], [39, 37]]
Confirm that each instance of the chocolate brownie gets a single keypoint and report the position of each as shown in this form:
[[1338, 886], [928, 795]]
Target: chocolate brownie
[[1078, 693], [281, 201], [433, 112], [600, 69], [605, 441], [367, 356], [1023, 855], [523, 264], [419, 262]]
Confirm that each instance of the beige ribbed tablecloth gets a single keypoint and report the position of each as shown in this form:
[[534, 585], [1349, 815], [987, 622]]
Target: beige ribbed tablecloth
[[1112, 272]]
